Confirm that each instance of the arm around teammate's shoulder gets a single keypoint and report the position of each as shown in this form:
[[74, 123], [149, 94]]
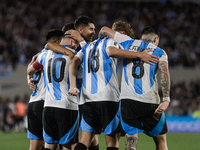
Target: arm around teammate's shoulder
[[120, 53], [107, 31], [60, 49]]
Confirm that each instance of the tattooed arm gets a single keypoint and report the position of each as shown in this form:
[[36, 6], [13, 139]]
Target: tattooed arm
[[165, 85]]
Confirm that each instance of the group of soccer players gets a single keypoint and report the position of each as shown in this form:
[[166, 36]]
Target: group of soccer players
[[109, 86]]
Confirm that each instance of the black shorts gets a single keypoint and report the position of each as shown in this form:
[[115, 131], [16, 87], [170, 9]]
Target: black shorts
[[80, 107], [34, 117], [60, 125], [101, 116], [139, 117]]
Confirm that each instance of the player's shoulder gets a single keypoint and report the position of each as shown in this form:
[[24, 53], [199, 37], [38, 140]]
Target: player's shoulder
[[156, 49], [42, 53]]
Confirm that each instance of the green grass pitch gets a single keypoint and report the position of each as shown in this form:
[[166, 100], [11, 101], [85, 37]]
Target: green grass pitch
[[176, 141]]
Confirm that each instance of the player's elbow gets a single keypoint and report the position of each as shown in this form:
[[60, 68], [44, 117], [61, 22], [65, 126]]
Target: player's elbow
[[111, 51], [29, 72], [71, 56], [48, 45]]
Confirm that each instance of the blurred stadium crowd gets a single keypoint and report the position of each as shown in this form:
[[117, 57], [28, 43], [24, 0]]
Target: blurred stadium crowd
[[21, 37], [24, 25]]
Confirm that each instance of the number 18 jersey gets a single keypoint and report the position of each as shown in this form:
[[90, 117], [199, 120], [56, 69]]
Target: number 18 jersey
[[139, 80], [99, 82]]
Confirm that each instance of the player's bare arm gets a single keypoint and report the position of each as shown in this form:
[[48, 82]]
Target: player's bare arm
[[107, 31], [165, 86], [31, 70], [120, 53], [144, 56], [75, 35], [60, 49], [30, 78], [72, 76]]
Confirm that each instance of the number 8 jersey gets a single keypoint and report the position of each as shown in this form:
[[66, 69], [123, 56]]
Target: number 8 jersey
[[56, 75], [99, 81], [139, 80]]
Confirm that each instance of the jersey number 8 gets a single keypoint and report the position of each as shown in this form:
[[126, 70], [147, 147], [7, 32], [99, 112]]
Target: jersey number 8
[[137, 65]]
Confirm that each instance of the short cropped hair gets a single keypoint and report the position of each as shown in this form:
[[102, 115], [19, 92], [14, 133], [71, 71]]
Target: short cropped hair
[[150, 30], [82, 21], [123, 26], [54, 35], [69, 26]]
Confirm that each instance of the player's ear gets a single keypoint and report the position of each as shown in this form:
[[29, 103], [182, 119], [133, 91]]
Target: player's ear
[[80, 30], [71, 42], [122, 32], [156, 40], [58, 41]]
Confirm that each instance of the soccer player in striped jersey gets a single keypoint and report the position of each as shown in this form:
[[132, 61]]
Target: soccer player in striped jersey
[[151, 35], [36, 102], [60, 115], [85, 26], [84, 33], [141, 109], [35, 108], [100, 93]]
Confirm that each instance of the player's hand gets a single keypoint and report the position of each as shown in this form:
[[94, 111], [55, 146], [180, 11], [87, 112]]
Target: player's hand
[[31, 84], [75, 35], [148, 58], [162, 107], [73, 91], [46, 46], [101, 35]]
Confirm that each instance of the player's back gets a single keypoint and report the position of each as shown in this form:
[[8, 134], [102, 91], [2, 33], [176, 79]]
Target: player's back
[[56, 71], [100, 81], [138, 78]]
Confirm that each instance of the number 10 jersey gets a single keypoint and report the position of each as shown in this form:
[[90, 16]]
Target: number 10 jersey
[[56, 75]]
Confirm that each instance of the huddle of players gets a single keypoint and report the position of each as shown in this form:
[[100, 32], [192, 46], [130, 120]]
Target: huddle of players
[[106, 80]]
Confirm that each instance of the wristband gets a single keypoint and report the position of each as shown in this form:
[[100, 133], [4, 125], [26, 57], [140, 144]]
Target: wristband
[[82, 44], [166, 99]]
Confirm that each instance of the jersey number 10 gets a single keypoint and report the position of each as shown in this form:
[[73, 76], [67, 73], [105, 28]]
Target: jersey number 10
[[53, 73]]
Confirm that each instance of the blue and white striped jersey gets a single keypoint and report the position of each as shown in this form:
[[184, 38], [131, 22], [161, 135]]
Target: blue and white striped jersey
[[56, 75], [139, 80], [99, 81], [39, 93]]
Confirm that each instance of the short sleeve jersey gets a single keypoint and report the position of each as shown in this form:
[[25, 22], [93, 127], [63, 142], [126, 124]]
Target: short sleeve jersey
[[139, 80], [56, 74], [99, 75]]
